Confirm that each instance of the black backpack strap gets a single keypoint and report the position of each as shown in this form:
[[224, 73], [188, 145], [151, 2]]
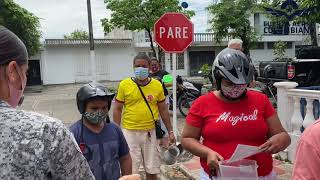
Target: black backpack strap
[[145, 100]]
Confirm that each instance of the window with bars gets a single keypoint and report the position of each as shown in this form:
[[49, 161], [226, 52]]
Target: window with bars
[[146, 35], [180, 61], [259, 45]]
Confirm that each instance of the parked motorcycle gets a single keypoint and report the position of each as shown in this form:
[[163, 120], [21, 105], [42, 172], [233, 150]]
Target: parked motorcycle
[[267, 89], [187, 93], [207, 76], [266, 86]]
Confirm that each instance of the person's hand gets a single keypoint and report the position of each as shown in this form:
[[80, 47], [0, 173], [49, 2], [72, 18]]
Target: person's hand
[[168, 84], [131, 177], [274, 144], [172, 138], [252, 84], [213, 159]]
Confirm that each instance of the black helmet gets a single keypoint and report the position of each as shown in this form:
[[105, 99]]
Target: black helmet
[[92, 90], [232, 65]]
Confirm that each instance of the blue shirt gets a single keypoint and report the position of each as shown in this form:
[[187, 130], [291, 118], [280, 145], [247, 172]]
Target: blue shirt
[[102, 150]]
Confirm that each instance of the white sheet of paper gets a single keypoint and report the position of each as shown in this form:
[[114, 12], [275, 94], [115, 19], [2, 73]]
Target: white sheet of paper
[[243, 151]]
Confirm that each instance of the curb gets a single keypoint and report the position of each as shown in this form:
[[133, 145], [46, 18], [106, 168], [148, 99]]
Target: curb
[[172, 172], [34, 89], [161, 177], [186, 172]]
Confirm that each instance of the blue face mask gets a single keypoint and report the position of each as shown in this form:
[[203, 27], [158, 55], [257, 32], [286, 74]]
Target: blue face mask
[[141, 73]]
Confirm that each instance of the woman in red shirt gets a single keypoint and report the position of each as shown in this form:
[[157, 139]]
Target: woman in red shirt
[[233, 115]]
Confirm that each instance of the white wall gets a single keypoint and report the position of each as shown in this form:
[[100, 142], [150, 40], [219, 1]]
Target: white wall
[[119, 59], [265, 54], [71, 64], [59, 66], [119, 33]]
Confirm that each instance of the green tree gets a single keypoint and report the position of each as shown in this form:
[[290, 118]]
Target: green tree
[[206, 71], [312, 18], [77, 34], [139, 15], [230, 18], [21, 22], [279, 49]]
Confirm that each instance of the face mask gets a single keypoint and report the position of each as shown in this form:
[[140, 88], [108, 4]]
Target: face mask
[[141, 73], [233, 92], [16, 95], [154, 69], [96, 117]]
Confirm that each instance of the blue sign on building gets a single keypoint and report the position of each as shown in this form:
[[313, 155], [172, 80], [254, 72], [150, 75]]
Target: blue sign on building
[[290, 10], [290, 28]]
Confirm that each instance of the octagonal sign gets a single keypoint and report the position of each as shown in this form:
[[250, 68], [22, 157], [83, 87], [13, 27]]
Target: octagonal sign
[[173, 32]]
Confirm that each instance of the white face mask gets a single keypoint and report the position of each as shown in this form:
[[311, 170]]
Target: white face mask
[[234, 91], [141, 73]]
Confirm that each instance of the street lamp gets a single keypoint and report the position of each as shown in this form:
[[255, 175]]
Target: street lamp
[[91, 40]]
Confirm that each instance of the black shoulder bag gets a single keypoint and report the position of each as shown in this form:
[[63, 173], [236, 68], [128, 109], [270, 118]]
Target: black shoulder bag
[[159, 132]]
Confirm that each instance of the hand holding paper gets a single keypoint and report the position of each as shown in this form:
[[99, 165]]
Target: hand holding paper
[[243, 151]]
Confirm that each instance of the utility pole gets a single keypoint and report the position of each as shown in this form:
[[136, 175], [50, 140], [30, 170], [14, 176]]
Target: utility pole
[[91, 40]]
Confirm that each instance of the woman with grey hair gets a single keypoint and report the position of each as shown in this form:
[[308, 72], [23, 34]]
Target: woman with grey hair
[[32, 146]]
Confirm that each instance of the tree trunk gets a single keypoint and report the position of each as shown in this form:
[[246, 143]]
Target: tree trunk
[[151, 42], [160, 54], [313, 34], [245, 45], [245, 41]]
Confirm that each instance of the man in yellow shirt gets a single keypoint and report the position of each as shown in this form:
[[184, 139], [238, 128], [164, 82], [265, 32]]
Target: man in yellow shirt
[[133, 114]]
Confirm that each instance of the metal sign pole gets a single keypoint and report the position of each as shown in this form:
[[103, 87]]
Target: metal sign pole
[[93, 65], [174, 91], [91, 40], [174, 34]]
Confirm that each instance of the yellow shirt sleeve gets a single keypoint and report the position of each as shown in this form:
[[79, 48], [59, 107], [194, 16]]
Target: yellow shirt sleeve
[[120, 94], [161, 96]]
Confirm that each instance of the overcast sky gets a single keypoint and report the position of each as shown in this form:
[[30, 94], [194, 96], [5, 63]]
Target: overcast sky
[[60, 17]]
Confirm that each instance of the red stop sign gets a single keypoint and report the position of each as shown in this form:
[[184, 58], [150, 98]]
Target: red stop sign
[[173, 32]]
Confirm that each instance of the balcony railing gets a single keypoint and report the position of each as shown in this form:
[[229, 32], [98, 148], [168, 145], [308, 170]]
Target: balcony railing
[[203, 37], [141, 37], [297, 109]]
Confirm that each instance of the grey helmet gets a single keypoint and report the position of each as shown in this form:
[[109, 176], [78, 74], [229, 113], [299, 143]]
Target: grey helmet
[[232, 65], [92, 90]]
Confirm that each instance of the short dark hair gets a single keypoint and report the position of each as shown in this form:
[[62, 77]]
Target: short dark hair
[[154, 59], [11, 48], [141, 56]]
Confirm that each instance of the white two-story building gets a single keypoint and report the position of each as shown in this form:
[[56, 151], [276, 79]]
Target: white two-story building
[[68, 61]]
